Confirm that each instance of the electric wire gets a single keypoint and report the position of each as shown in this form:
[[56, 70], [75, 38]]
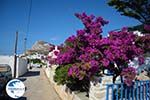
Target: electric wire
[[28, 25]]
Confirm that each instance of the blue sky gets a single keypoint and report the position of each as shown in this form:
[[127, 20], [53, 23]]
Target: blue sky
[[51, 20]]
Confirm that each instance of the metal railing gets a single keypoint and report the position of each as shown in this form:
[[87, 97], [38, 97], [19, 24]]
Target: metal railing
[[140, 90]]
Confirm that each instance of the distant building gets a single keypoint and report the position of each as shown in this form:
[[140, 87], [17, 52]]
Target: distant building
[[54, 52], [52, 55]]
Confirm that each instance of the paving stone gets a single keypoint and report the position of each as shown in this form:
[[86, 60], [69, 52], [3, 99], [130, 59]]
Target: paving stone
[[38, 86]]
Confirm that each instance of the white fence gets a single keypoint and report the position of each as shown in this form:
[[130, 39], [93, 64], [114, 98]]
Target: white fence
[[21, 64]]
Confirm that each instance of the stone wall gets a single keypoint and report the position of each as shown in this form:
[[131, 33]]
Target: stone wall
[[64, 92], [98, 88]]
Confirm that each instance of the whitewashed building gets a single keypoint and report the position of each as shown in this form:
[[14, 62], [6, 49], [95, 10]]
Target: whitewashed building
[[21, 67]]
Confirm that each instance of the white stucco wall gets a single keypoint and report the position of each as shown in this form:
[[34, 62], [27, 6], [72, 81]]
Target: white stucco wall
[[21, 64]]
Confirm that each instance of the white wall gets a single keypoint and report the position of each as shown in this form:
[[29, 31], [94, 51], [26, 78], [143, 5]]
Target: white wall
[[21, 64]]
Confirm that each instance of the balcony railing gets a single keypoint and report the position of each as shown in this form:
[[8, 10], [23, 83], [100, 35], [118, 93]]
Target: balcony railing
[[140, 90]]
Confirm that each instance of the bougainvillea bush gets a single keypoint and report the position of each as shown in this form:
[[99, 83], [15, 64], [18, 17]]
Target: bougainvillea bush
[[88, 53]]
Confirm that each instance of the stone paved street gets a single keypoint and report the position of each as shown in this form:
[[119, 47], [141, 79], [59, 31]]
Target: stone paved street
[[38, 86]]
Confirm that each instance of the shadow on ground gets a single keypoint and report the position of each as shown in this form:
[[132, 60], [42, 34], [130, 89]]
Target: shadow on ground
[[31, 73], [22, 98], [22, 79], [8, 98]]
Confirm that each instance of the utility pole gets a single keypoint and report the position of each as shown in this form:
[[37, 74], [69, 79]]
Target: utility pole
[[15, 55], [25, 43]]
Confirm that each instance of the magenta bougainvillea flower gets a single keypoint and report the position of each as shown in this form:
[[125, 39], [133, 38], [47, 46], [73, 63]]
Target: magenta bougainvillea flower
[[89, 52], [147, 27], [129, 75]]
